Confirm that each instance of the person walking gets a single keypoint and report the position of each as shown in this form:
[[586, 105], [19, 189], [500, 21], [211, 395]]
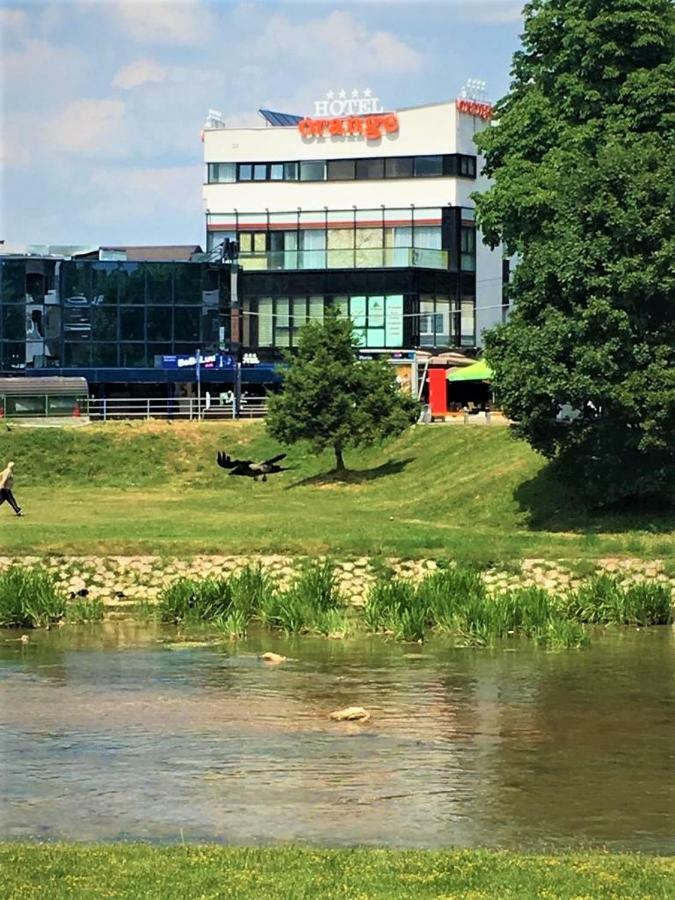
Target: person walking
[[6, 484]]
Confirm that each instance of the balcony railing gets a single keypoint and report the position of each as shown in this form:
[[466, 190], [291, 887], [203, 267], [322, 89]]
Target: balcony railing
[[364, 258]]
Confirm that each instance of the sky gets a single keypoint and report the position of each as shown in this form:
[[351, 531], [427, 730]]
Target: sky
[[103, 102]]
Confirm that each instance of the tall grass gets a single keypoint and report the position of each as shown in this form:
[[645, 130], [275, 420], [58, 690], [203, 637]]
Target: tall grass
[[605, 600], [195, 600], [395, 606], [84, 611], [312, 603], [455, 601], [29, 598]]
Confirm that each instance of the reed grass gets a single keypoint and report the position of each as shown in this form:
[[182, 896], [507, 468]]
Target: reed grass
[[604, 600], [453, 601], [195, 600], [81, 612], [29, 598], [312, 602]]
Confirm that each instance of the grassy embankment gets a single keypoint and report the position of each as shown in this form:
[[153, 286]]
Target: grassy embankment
[[472, 494], [134, 870]]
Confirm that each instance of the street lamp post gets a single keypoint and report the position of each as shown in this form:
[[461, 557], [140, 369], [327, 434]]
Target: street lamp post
[[198, 370]]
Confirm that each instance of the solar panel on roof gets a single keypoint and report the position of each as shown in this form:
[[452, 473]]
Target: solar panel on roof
[[278, 118]]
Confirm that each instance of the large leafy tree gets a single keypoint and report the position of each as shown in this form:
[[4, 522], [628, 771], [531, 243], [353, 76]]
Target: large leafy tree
[[583, 160], [333, 400]]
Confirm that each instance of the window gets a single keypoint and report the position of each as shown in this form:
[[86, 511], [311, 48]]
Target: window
[[290, 171], [312, 249], [219, 173], [467, 337], [427, 322], [313, 170], [467, 166], [282, 323], [398, 167], [260, 172], [468, 249], [245, 172], [340, 169], [276, 171], [370, 168], [132, 324], [426, 166], [186, 324], [265, 321]]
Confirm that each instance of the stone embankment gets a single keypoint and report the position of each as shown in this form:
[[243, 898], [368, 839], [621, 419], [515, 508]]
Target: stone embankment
[[122, 582]]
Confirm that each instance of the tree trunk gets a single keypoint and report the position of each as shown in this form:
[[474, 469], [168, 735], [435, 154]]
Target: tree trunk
[[339, 459]]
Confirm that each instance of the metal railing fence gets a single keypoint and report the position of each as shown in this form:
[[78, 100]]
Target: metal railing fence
[[184, 408]]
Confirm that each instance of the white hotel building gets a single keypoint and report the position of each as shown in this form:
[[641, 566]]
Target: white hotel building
[[368, 210]]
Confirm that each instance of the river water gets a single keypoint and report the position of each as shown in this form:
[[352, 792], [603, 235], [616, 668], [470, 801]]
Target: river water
[[110, 734]]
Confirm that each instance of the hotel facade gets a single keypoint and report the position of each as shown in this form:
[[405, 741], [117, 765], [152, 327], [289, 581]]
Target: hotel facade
[[365, 210], [368, 210]]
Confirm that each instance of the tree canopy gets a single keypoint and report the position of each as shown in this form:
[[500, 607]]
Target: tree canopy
[[331, 399], [582, 154]]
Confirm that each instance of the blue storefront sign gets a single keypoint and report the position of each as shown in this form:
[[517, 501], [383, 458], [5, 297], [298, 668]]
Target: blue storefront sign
[[189, 361]]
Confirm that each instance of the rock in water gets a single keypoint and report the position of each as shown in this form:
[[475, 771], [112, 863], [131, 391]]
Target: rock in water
[[274, 658], [351, 714]]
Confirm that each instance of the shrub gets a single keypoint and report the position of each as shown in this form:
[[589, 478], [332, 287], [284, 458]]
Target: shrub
[[29, 598]]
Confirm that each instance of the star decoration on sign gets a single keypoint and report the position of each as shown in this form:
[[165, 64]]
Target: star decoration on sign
[[342, 95], [367, 92], [355, 93], [330, 95]]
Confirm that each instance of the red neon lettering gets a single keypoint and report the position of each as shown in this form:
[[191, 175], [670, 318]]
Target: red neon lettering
[[474, 108], [371, 127]]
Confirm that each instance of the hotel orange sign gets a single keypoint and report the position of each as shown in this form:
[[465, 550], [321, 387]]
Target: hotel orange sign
[[475, 107], [370, 127]]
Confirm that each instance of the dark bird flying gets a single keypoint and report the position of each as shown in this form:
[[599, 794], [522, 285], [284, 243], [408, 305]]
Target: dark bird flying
[[250, 469]]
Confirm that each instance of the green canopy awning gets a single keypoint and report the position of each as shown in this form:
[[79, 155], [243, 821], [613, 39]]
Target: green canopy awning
[[478, 371]]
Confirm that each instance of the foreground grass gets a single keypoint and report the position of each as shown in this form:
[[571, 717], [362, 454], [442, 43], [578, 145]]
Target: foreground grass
[[467, 493], [135, 870]]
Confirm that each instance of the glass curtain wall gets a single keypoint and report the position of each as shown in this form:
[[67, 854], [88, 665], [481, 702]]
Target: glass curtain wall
[[319, 239], [123, 314]]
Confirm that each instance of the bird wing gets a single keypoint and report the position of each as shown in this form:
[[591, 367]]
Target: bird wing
[[274, 459], [226, 462]]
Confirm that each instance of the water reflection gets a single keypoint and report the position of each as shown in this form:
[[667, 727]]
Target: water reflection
[[109, 733]]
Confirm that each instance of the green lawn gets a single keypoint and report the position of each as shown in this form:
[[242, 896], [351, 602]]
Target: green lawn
[[465, 492], [135, 870]]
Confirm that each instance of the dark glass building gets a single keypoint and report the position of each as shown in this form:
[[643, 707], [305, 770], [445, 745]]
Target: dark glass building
[[128, 327]]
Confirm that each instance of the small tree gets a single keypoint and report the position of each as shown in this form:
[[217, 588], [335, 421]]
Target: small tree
[[330, 399]]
